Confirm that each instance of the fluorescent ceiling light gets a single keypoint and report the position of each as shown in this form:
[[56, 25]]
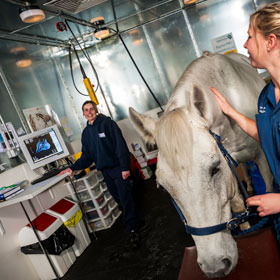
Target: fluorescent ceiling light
[[187, 2], [23, 63], [101, 33], [30, 14]]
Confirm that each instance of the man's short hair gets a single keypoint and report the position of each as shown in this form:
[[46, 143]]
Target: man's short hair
[[89, 102]]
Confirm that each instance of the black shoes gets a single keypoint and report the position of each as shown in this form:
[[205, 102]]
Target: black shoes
[[134, 239]]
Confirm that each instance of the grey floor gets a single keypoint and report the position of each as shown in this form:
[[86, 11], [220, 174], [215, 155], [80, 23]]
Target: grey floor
[[159, 255]]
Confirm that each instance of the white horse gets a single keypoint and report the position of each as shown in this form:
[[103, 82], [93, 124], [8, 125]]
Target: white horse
[[190, 165]]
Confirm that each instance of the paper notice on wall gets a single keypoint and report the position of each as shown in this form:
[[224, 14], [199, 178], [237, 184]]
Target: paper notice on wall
[[224, 44]]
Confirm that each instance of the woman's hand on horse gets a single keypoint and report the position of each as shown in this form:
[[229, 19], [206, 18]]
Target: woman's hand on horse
[[69, 170], [222, 101], [267, 204]]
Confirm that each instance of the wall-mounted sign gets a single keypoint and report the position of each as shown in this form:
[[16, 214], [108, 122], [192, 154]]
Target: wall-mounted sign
[[224, 44]]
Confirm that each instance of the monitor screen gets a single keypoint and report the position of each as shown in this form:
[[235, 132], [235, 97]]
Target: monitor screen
[[43, 146]]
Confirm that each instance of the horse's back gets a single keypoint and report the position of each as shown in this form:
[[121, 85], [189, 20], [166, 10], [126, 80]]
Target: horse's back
[[231, 74]]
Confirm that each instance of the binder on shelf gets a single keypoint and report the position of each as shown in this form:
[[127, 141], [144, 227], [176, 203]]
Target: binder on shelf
[[9, 195], [9, 190]]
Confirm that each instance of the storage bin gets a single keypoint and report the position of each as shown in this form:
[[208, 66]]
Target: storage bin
[[112, 203], [116, 212], [46, 225], [71, 215], [92, 215], [88, 205], [98, 225], [95, 199], [83, 195], [100, 200], [107, 194]]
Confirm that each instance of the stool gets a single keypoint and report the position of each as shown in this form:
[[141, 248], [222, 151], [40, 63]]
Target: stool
[[70, 213], [46, 225], [258, 259]]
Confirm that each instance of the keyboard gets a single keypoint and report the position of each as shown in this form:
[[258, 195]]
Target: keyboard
[[47, 175]]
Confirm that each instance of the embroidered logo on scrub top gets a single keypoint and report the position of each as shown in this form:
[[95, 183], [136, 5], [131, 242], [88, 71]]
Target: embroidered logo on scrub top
[[262, 109], [102, 135]]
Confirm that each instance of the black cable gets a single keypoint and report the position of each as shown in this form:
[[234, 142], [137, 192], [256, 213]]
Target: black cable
[[132, 59], [81, 67], [71, 70], [85, 54], [138, 70]]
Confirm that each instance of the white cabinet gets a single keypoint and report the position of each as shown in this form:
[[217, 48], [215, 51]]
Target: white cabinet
[[100, 208]]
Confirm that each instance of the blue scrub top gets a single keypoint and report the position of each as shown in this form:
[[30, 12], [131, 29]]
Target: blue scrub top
[[268, 123]]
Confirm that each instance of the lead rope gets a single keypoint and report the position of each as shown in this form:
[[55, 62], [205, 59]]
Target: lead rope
[[230, 162]]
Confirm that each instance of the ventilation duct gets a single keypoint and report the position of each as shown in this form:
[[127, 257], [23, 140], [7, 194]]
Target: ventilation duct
[[73, 6]]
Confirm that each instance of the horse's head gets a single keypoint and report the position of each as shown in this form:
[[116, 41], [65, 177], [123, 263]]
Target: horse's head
[[194, 172]]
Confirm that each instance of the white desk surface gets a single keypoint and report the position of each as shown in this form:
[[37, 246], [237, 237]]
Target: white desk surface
[[31, 191]]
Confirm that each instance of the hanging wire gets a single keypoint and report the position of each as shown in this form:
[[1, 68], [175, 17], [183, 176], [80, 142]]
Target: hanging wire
[[132, 59], [85, 54], [138, 70], [71, 71]]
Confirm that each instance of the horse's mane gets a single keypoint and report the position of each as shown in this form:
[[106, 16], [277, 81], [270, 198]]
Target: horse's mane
[[174, 139]]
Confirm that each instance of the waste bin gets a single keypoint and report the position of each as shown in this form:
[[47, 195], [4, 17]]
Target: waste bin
[[70, 213], [56, 239]]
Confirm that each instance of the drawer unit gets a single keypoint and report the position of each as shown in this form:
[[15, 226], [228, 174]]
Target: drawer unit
[[97, 203]]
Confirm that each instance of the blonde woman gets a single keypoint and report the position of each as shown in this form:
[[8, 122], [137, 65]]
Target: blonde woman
[[263, 45]]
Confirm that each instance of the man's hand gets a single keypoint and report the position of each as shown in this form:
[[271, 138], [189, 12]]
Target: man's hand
[[267, 203], [125, 174], [66, 170]]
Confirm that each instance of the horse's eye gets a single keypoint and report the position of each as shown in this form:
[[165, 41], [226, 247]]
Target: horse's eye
[[214, 171]]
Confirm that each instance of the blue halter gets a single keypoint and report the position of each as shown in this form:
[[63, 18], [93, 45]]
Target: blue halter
[[233, 223]]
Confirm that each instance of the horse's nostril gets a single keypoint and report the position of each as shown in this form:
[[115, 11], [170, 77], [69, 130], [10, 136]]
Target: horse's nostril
[[227, 263]]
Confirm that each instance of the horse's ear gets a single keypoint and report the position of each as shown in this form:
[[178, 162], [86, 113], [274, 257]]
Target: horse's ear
[[145, 125], [198, 101]]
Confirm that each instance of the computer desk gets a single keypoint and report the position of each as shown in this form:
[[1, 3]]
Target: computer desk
[[30, 192]]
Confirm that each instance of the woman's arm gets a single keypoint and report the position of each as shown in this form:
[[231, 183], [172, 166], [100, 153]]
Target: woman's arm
[[248, 125]]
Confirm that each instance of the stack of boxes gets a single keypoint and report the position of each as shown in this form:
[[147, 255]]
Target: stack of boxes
[[142, 160]]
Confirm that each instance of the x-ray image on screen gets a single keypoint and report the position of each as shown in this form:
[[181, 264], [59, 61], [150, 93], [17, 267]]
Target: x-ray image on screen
[[43, 146]]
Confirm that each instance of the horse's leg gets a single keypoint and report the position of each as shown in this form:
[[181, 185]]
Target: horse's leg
[[261, 161]]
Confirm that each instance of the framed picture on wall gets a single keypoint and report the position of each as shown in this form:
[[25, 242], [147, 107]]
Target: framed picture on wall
[[40, 117]]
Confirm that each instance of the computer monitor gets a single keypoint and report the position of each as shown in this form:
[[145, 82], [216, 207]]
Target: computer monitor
[[43, 146]]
